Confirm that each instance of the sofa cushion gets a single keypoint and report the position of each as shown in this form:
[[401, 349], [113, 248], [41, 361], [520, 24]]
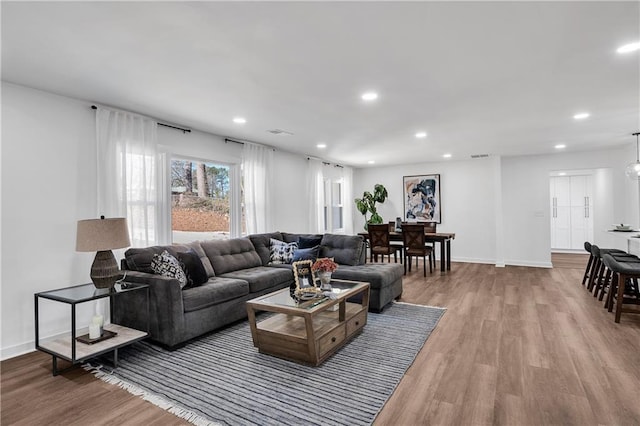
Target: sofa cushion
[[262, 244], [281, 252], [167, 265], [231, 255], [193, 268], [345, 249], [378, 275], [306, 254], [309, 241], [139, 259], [195, 246], [263, 277], [288, 237], [216, 290]]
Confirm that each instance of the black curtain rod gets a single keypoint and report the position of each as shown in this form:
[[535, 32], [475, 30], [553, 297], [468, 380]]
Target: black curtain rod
[[161, 124], [252, 143]]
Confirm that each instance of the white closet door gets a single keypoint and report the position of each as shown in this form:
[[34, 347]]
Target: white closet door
[[581, 222], [571, 211], [562, 219]]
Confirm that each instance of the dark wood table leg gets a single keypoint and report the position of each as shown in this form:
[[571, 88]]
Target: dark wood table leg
[[443, 257], [448, 254]]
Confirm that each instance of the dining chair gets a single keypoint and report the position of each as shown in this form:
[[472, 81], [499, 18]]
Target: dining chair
[[413, 239], [431, 228], [379, 243], [395, 244]]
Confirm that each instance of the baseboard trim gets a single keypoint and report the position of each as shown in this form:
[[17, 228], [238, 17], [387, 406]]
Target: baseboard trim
[[548, 265], [17, 350], [30, 346]]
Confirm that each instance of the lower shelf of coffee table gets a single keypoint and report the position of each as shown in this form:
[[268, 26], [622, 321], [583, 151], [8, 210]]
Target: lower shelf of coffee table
[[286, 336]]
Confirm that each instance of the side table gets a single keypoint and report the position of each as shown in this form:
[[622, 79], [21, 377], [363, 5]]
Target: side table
[[66, 346]]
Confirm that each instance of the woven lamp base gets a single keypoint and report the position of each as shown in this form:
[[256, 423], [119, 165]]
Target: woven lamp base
[[104, 270]]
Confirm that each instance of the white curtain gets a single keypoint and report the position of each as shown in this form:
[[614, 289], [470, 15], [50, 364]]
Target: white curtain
[[315, 196], [348, 203], [127, 173], [257, 162]]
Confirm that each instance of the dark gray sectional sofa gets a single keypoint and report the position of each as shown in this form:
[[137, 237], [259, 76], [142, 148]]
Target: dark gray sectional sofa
[[239, 269]]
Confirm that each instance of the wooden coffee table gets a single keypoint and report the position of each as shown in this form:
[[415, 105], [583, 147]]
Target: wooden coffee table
[[308, 332]]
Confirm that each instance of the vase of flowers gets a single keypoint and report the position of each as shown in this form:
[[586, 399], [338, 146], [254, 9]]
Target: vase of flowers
[[324, 267]]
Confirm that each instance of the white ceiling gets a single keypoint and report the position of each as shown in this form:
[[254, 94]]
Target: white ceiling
[[498, 78]]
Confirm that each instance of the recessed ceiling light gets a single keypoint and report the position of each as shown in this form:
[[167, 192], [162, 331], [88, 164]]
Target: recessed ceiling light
[[560, 146], [322, 145], [371, 162], [421, 135], [239, 120], [581, 116], [562, 174], [369, 96], [446, 155], [631, 47]]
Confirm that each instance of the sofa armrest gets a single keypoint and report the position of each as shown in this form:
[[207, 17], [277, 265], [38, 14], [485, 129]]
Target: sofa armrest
[[166, 308]]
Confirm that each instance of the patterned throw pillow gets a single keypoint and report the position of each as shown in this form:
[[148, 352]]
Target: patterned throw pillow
[[282, 252], [167, 265]]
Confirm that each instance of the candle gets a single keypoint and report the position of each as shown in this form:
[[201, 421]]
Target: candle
[[98, 320], [94, 331]]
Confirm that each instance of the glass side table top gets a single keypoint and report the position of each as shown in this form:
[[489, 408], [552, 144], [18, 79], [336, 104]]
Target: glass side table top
[[86, 292], [283, 297]]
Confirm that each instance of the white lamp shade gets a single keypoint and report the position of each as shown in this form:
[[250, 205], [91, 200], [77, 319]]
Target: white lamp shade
[[102, 234]]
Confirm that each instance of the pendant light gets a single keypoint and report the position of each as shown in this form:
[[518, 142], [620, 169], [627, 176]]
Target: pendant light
[[633, 169]]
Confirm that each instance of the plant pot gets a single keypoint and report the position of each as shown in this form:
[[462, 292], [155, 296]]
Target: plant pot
[[325, 280]]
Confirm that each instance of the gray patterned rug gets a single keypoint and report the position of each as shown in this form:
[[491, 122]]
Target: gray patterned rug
[[222, 379]]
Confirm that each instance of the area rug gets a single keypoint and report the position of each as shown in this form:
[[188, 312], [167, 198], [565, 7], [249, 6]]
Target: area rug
[[223, 379]]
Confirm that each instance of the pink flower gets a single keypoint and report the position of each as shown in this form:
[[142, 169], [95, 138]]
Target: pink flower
[[324, 264]]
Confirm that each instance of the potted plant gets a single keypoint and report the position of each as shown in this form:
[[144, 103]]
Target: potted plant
[[367, 204], [324, 267]]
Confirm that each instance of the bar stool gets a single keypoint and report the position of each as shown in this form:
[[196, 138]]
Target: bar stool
[[602, 286], [624, 283], [597, 272], [587, 247]]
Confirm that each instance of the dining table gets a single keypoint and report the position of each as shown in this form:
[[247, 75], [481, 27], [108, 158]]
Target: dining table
[[442, 238]]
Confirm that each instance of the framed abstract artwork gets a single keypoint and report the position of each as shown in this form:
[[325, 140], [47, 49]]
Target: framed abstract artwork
[[422, 198]]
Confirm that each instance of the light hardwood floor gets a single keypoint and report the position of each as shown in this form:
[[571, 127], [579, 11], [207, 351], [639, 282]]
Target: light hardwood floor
[[517, 346]]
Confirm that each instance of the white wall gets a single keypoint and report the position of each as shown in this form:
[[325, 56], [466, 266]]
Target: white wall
[[499, 207], [468, 200], [48, 184], [526, 200]]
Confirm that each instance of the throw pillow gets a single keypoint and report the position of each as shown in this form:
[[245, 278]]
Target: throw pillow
[[306, 254], [193, 268], [309, 241], [167, 265], [281, 252]]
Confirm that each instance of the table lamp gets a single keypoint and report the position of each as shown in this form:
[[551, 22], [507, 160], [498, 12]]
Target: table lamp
[[103, 235]]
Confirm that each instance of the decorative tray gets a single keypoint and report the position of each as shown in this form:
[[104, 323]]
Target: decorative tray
[[106, 334]]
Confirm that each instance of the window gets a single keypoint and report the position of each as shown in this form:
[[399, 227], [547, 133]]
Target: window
[[202, 200], [333, 209]]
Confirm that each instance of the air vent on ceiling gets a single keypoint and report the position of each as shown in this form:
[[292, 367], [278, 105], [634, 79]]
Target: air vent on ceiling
[[479, 155], [280, 132]]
